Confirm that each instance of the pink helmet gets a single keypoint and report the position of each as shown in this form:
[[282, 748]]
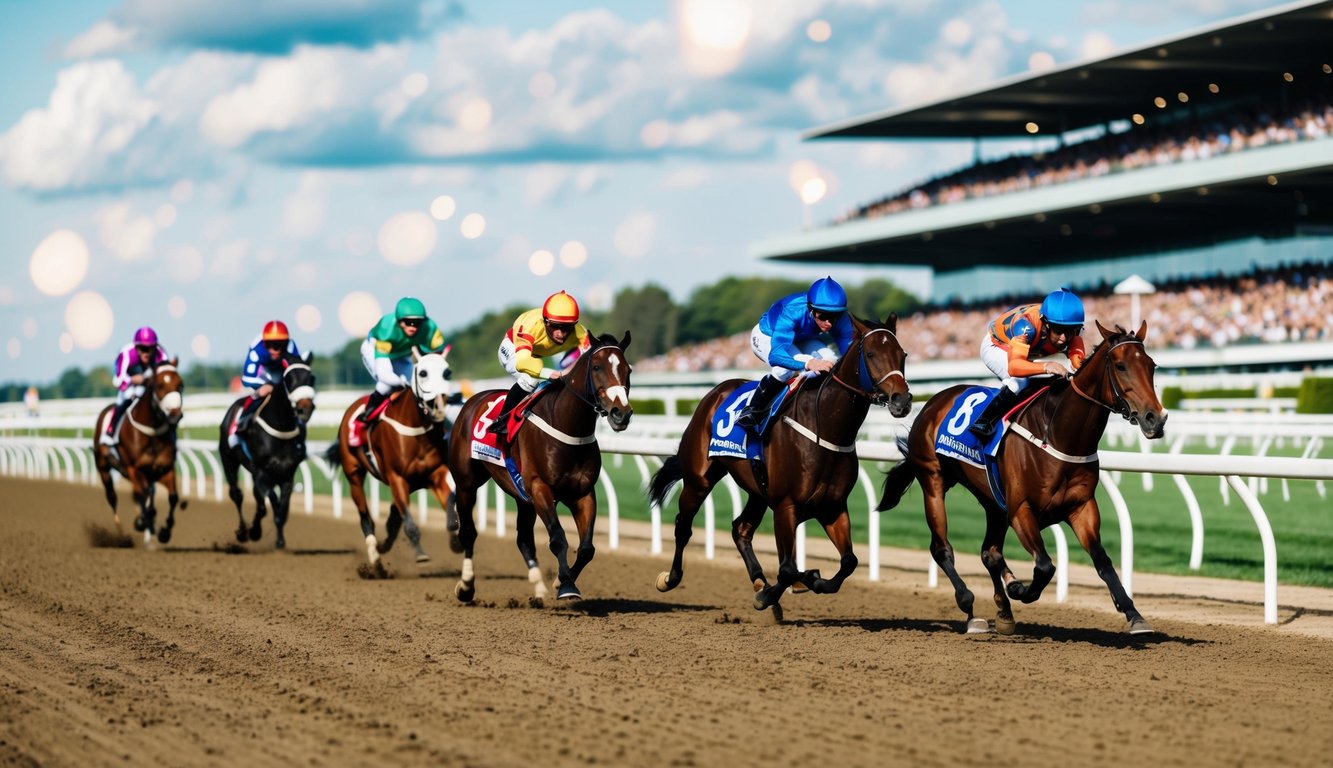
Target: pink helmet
[[145, 336]]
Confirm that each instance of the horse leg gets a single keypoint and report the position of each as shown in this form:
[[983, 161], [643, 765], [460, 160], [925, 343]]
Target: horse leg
[[356, 488], [1086, 522], [784, 533], [103, 465], [262, 492], [585, 520], [231, 470], [281, 506], [694, 489], [1029, 535], [440, 487], [933, 488], [463, 500], [173, 499], [992, 556], [412, 532], [840, 533], [525, 519], [543, 501], [742, 535]]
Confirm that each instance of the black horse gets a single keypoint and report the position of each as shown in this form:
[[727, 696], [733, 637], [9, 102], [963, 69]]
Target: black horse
[[272, 446]]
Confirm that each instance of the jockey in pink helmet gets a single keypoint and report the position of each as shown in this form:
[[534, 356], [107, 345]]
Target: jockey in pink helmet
[[133, 365]]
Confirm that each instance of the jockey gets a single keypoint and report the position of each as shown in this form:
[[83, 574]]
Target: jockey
[[387, 350], [552, 329], [798, 333], [133, 366], [1021, 334], [262, 365]]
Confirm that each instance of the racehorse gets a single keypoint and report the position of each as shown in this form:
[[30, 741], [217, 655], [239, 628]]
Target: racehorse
[[147, 449], [810, 455], [272, 448], [404, 450], [558, 456], [1048, 472]]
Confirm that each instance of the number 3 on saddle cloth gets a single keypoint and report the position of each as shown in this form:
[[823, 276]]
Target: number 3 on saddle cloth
[[731, 440], [954, 439], [486, 444]]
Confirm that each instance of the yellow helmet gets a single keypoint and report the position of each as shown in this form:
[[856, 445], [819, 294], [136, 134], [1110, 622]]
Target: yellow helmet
[[561, 308]]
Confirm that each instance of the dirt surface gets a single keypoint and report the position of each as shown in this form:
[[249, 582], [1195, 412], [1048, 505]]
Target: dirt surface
[[205, 653]]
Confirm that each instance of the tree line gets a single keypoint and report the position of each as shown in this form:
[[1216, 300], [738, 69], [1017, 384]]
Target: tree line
[[657, 323]]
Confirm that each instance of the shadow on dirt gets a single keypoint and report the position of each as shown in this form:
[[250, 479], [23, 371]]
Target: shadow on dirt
[[1027, 632], [602, 607]]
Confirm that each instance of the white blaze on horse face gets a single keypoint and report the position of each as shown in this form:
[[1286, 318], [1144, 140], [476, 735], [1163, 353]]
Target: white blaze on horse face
[[618, 393], [171, 401]]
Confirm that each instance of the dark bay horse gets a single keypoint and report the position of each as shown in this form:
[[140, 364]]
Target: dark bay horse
[[146, 453], [273, 447], [1049, 475], [559, 458], [810, 454], [409, 454]]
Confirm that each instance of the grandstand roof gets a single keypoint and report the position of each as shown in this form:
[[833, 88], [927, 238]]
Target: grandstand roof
[[1250, 53]]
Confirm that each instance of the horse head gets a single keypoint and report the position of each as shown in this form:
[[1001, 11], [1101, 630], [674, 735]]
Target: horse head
[[168, 391], [431, 385], [880, 360], [299, 380], [1123, 373], [604, 371]]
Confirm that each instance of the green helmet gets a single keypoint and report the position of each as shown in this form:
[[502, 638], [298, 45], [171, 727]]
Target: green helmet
[[409, 307]]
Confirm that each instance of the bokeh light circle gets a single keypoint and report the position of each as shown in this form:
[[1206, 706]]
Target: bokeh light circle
[[66, 342], [634, 236], [308, 318], [443, 207], [573, 254], [59, 263], [819, 31], [540, 263], [407, 238], [357, 312], [29, 326], [473, 226], [199, 345], [14, 347], [89, 318], [176, 306]]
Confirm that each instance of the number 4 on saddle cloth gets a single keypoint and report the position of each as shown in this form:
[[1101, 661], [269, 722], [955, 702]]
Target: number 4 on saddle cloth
[[954, 439], [486, 445]]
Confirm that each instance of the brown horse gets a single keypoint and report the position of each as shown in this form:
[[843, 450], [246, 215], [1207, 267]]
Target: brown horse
[[810, 455], [146, 453], [1048, 468], [559, 459], [408, 447]]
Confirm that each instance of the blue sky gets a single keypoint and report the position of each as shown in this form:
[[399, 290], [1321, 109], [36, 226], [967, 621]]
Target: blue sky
[[202, 166]]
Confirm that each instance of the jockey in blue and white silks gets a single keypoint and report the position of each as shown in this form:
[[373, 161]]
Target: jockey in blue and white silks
[[263, 364], [802, 332]]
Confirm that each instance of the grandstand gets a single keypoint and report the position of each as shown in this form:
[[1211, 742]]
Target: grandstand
[[1207, 153]]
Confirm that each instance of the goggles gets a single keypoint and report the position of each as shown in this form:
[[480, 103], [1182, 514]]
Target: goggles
[[826, 317], [410, 322]]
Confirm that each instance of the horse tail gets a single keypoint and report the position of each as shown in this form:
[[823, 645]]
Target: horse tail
[[334, 455], [671, 473], [896, 481]]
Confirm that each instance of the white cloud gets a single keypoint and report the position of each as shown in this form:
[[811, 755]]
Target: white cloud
[[128, 235], [103, 37], [94, 113]]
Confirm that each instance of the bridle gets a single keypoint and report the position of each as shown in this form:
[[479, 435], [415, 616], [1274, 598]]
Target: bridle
[[1119, 404], [869, 388], [589, 394], [303, 392]]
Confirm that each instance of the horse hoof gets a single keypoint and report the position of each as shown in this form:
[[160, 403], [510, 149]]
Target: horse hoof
[[799, 587], [139, 524], [422, 557], [1005, 626], [164, 536], [1140, 626], [965, 600], [664, 582], [242, 536], [464, 592], [760, 600], [978, 626], [1016, 590], [280, 544], [568, 592]]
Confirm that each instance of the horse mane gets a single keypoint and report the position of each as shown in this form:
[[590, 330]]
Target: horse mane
[[1116, 332], [602, 340]]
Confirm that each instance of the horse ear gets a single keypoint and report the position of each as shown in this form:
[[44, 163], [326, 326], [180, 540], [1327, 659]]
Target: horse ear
[[309, 356], [445, 352], [174, 360], [1143, 331], [1106, 334], [624, 341], [416, 355], [891, 322]]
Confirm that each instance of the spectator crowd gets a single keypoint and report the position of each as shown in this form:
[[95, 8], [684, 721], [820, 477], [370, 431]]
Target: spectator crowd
[[1290, 303]]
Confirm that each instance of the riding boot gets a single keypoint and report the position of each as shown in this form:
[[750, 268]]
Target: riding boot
[[241, 421], [984, 427], [512, 399], [755, 412], [376, 399], [109, 437]]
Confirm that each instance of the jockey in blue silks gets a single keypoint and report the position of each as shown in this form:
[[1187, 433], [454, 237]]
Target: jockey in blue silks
[[801, 332], [263, 364]]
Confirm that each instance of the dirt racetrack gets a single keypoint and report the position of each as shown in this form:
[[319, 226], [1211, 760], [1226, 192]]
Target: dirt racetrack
[[197, 654]]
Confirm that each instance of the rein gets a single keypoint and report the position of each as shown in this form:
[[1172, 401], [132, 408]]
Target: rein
[[1119, 405], [868, 388]]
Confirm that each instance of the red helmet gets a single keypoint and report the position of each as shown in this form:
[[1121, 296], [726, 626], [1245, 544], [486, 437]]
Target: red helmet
[[561, 308], [275, 330]]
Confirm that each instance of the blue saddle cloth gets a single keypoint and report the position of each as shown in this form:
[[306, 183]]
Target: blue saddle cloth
[[954, 439], [729, 438]]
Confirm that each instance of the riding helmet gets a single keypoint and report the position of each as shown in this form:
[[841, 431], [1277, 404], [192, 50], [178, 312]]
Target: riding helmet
[[826, 295], [1062, 307], [145, 336], [409, 309], [275, 330], [561, 308]]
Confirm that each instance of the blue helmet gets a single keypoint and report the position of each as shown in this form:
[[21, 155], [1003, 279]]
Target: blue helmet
[[1062, 307], [826, 295]]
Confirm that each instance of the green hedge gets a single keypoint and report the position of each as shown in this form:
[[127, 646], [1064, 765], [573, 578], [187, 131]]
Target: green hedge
[[1171, 397], [1315, 395], [652, 407]]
